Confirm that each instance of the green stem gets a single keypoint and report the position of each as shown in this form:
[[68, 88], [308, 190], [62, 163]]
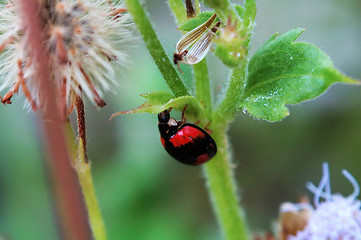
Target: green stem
[[155, 48], [179, 11], [230, 104], [86, 182], [222, 190], [83, 171], [202, 87]]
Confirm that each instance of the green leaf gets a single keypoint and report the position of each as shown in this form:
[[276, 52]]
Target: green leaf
[[283, 72], [159, 101], [195, 22], [249, 12], [239, 10], [216, 4]]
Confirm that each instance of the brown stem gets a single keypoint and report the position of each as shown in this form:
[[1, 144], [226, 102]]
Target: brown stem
[[67, 194], [81, 123]]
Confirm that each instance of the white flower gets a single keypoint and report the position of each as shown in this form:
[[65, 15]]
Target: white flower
[[335, 218], [85, 41]]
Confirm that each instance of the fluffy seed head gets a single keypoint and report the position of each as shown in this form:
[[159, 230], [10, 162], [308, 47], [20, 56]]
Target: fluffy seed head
[[86, 43]]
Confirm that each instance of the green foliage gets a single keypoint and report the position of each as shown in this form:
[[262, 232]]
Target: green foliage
[[159, 101], [249, 12], [221, 4], [195, 22], [283, 72], [239, 10]]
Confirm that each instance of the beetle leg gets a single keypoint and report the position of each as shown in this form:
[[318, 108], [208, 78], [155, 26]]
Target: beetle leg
[[183, 117], [209, 131]]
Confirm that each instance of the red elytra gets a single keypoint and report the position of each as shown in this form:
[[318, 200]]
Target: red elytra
[[185, 142], [185, 135]]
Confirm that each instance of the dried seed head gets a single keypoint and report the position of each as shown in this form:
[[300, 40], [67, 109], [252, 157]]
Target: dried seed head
[[85, 41]]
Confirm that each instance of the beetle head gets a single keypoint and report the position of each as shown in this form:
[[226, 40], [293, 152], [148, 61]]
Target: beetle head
[[163, 117]]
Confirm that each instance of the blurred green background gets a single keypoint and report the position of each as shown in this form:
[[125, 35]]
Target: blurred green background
[[146, 195]]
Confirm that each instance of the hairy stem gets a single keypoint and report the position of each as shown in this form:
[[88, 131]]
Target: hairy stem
[[86, 182], [202, 86], [83, 170], [155, 48], [222, 190], [230, 104]]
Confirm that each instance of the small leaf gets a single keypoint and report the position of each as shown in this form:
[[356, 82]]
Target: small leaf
[[239, 10], [249, 12], [283, 72], [195, 22], [159, 101], [216, 4]]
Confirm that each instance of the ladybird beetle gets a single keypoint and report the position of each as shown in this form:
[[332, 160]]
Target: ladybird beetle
[[187, 143]]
